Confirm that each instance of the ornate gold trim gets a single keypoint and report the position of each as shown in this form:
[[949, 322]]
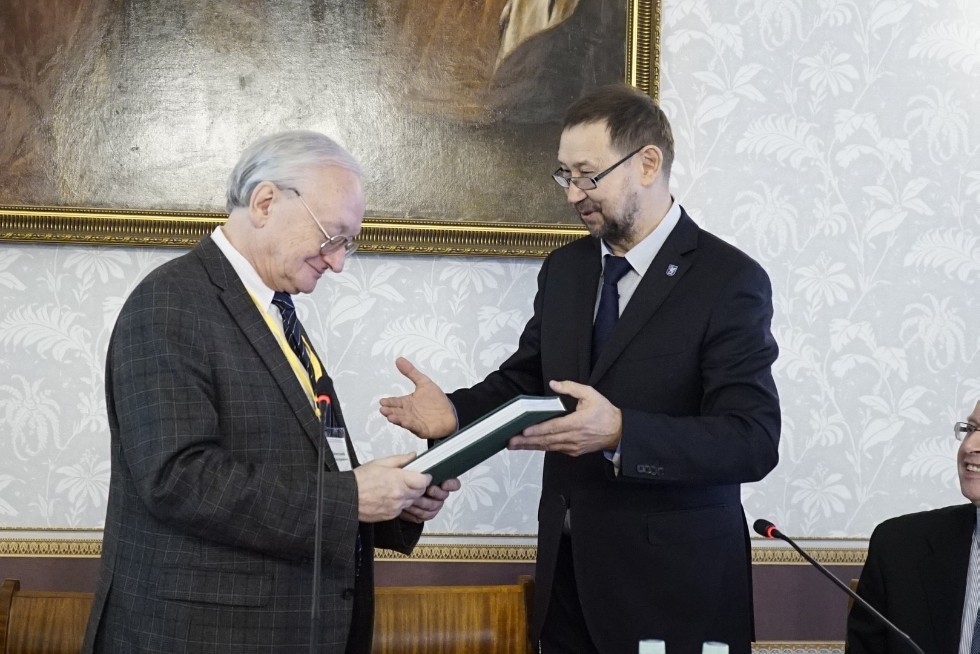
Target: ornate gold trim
[[183, 229], [824, 555], [798, 647], [414, 236], [75, 225], [528, 553], [43, 548], [643, 45], [464, 554], [468, 553]]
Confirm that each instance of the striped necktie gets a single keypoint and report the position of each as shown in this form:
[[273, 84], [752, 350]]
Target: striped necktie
[[293, 330]]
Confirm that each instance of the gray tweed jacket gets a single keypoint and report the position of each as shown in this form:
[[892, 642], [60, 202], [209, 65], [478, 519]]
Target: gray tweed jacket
[[208, 540]]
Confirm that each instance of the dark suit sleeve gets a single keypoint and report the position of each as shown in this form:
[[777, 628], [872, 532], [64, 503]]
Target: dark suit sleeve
[[865, 634], [212, 450], [398, 535], [733, 436], [711, 419]]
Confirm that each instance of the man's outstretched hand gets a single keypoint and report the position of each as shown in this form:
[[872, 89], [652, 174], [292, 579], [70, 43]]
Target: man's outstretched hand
[[426, 412]]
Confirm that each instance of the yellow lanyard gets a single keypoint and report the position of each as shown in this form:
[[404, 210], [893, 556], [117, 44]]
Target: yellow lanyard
[[298, 368]]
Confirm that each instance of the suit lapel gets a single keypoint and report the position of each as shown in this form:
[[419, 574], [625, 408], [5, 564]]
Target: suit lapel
[[943, 574], [243, 310], [666, 270]]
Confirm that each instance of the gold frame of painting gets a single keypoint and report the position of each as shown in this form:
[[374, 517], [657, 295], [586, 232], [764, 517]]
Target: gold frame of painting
[[412, 236]]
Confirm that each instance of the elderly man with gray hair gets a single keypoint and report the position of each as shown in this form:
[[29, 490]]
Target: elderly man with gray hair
[[210, 530]]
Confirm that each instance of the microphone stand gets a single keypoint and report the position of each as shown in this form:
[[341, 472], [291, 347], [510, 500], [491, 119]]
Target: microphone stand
[[768, 530], [326, 418]]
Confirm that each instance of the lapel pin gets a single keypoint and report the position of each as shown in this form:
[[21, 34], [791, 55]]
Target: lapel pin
[[671, 270]]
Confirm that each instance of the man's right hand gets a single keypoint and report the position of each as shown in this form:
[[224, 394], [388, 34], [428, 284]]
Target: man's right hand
[[384, 490], [427, 412]]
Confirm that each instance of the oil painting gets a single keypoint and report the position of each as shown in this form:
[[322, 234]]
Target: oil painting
[[452, 106]]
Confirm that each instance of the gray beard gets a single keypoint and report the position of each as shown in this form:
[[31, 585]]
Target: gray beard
[[620, 230]]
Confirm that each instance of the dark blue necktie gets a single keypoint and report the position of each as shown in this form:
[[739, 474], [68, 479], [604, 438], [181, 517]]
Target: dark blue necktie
[[608, 312], [293, 331]]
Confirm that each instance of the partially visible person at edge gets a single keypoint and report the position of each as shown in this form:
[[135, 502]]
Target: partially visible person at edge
[[209, 535], [658, 334], [923, 571]]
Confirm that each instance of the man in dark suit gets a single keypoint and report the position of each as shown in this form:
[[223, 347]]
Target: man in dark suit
[[641, 531], [923, 571], [209, 536]]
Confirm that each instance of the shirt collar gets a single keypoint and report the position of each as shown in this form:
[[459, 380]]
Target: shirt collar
[[250, 278], [643, 253]]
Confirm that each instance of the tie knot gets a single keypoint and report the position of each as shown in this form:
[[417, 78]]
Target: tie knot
[[282, 300], [615, 268]]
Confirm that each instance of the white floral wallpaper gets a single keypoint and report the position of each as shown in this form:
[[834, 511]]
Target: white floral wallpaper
[[837, 141], [834, 140]]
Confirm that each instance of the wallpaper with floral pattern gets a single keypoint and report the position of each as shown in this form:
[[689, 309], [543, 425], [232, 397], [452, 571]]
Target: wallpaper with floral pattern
[[836, 141]]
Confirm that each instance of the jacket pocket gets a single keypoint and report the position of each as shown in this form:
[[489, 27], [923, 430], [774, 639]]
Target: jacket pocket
[[226, 587]]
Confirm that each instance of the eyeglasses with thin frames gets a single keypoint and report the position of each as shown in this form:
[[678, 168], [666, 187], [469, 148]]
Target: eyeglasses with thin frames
[[588, 183], [962, 430], [333, 242]]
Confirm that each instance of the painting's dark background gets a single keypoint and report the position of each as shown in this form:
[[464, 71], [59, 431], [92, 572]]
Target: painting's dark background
[[146, 104]]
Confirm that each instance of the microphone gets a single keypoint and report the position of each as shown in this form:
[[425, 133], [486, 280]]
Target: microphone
[[324, 390], [767, 529]]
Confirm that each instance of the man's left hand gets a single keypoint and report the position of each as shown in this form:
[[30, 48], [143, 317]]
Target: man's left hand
[[594, 425], [428, 506]]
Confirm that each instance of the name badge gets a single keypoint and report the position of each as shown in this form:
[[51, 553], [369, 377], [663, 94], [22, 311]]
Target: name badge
[[335, 437]]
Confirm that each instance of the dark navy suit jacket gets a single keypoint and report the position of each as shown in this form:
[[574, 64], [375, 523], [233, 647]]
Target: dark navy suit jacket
[[915, 575], [662, 550]]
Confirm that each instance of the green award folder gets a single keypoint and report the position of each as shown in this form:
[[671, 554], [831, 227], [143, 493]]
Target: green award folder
[[454, 455]]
